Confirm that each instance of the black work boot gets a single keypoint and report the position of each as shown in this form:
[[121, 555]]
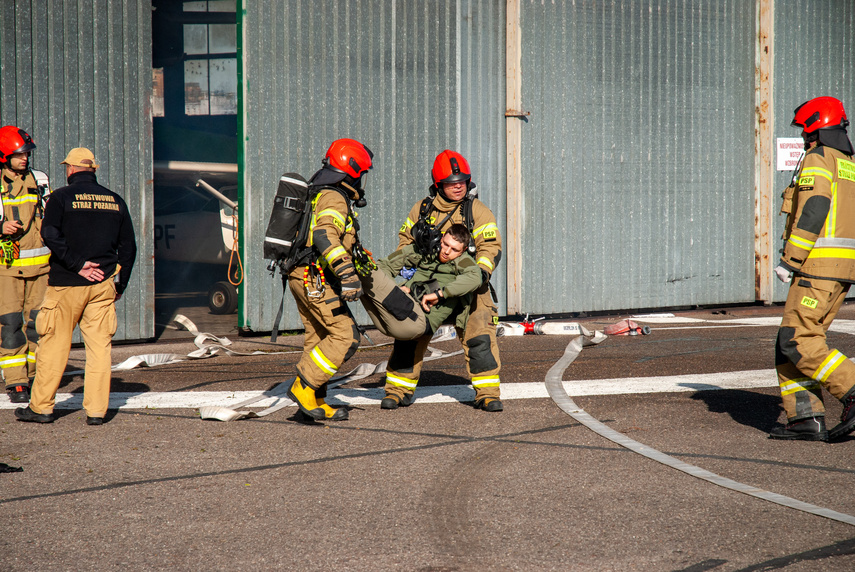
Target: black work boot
[[847, 418], [810, 429], [489, 404], [27, 414], [393, 401], [18, 393]]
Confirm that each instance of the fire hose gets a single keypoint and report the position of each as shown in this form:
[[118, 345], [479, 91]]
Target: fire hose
[[555, 388]]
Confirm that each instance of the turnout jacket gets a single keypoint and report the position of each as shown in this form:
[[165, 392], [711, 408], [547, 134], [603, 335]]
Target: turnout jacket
[[332, 232], [820, 207], [485, 232], [85, 221], [22, 201], [456, 278]]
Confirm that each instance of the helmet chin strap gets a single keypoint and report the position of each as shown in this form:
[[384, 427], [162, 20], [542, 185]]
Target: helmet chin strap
[[810, 138]]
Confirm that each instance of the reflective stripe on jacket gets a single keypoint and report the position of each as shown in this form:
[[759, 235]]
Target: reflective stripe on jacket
[[820, 230], [21, 194], [332, 233]]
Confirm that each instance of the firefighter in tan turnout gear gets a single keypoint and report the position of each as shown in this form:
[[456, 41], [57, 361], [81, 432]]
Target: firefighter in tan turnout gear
[[328, 278], [452, 201], [819, 251], [23, 260]]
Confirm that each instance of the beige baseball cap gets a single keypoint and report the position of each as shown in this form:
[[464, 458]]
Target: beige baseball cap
[[80, 157]]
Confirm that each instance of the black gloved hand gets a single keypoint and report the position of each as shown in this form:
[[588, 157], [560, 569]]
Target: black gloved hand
[[351, 291]]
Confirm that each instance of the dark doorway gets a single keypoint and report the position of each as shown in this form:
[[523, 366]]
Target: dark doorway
[[194, 108]]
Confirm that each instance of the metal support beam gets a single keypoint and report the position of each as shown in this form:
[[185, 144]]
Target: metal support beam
[[765, 256], [514, 119]]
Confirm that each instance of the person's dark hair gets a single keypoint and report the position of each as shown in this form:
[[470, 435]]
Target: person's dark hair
[[459, 232]]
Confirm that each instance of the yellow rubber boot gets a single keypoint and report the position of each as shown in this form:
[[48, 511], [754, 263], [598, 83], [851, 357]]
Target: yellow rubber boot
[[304, 396], [332, 413]]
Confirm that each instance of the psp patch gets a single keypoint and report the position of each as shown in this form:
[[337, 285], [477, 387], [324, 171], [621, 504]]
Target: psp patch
[[809, 302]]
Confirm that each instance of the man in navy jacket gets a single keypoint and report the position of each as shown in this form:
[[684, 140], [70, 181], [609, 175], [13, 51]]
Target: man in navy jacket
[[91, 238]]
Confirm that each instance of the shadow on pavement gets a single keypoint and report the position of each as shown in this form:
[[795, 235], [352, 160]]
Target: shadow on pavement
[[755, 410]]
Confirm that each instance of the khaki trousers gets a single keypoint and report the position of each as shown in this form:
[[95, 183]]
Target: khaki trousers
[[479, 347], [803, 361], [20, 299], [394, 312], [64, 307], [331, 334]]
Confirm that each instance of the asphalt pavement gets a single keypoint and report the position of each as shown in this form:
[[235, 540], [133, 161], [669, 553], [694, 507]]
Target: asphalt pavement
[[437, 486]]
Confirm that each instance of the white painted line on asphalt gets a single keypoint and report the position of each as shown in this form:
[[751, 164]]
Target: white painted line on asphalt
[[841, 326], [433, 394]]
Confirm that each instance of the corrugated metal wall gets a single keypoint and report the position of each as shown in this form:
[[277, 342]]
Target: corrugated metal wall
[[814, 56], [408, 79], [638, 157], [78, 74]]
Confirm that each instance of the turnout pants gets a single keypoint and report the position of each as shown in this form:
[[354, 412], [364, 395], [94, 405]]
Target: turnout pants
[[64, 307], [20, 299], [802, 359], [479, 347], [331, 334]]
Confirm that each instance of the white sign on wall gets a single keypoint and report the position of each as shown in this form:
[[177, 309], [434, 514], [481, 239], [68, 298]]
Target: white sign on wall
[[790, 151]]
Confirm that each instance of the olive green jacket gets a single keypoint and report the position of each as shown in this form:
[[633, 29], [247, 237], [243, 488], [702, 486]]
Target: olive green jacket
[[458, 279]]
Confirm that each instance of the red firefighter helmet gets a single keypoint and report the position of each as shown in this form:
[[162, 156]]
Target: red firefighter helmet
[[350, 157], [819, 113], [14, 140], [450, 167]]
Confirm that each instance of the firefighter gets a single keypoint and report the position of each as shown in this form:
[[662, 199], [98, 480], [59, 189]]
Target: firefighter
[[452, 200], [818, 261], [327, 279], [23, 260]]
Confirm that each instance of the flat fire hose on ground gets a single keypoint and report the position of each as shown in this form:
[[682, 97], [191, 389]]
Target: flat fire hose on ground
[[219, 413], [555, 388], [444, 333]]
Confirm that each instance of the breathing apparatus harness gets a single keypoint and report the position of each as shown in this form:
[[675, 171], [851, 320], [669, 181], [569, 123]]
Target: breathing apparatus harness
[[314, 279], [363, 260], [428, 236], [10, 247]]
